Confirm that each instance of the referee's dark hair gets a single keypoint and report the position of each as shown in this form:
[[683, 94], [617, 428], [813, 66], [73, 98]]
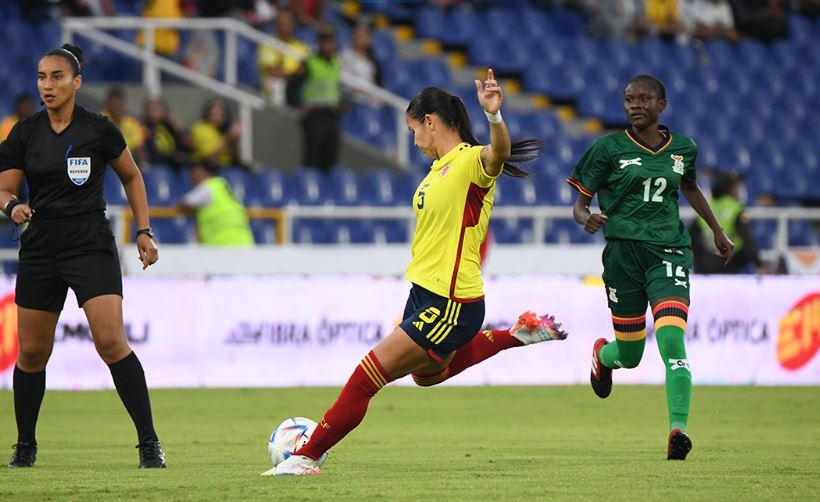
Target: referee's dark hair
[[452, 112], [651, 82], [71, 53]]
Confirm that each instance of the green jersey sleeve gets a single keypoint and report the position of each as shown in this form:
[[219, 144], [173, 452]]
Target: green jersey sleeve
[[689, 170], [592, 171]]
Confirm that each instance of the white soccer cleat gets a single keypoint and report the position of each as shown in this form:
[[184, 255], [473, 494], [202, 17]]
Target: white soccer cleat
[[532, 328], [297, 465]]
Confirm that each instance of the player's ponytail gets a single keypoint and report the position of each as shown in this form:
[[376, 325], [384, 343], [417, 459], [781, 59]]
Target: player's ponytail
[[71, 53], [454, 114]]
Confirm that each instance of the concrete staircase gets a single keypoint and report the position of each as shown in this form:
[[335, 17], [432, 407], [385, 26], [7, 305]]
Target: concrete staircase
[[277, 133]]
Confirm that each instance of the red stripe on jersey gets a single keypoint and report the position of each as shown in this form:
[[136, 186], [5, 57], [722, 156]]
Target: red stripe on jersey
[[581, 188], [472, 213]]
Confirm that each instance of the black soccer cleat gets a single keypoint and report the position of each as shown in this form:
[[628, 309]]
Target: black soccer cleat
[[152, 456], [601, 376], [24, 455], [679, 445]]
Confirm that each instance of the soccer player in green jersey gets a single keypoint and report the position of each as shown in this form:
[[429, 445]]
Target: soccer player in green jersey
[[637, 174]]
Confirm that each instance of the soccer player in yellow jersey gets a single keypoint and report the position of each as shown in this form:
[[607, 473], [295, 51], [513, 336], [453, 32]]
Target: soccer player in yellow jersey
[[445, 311]]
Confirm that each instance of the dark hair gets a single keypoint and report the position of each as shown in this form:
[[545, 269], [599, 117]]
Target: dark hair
[[451, 110], [651, 82], [206, 112], [22, 98], [116, 92], [724, 182], [71, 53]]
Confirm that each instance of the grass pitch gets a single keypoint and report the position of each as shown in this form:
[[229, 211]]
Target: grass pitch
[[451, 443]]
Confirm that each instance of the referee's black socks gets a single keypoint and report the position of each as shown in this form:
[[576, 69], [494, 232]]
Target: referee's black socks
[[129, 379], [29, 389]]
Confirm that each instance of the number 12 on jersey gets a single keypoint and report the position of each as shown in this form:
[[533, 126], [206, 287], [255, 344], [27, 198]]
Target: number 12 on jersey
[[660, 183]]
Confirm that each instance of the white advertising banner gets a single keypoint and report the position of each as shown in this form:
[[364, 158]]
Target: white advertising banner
[[313, 330]]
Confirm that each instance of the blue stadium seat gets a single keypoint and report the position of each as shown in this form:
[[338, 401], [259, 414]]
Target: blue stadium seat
[[7, 236], [344, 187], [311, 231], [264, 230], [803, 234], [272, 188], [462, 25], [351, 231], [241, 183], [512, 231], [379, 188], [389, 232], [309, 187], [764, 232], [113, 192], [430, 22], [384, 46], [179, 230], [161, 185]]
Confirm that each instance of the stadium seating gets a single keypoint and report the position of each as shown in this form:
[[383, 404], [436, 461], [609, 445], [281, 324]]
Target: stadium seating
[[767, 95]]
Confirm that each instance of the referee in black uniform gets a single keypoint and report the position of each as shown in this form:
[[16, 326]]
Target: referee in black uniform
[[62, 152]]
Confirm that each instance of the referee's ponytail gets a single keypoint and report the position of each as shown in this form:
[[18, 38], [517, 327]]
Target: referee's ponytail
[[71, 53], [452, 112]]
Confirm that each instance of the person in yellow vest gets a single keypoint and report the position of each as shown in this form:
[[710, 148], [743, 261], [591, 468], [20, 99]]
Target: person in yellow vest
[[221, 219], [275, 66], [321, 100], [24, 107], [730, 214], [130, 127]]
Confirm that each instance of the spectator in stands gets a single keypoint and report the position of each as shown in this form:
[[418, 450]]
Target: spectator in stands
[[664, 18], [24, 107], [709, 19], [221, 219], [166, 40], [358, 59], [275, 67], [731, 216], [617, 18], [166, 141], [129, 126], [763, 19], [307, 12], [810, 8], [321, 103], [216, 135]]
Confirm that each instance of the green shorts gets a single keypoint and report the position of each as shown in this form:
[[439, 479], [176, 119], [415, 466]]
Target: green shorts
[[637, 273]]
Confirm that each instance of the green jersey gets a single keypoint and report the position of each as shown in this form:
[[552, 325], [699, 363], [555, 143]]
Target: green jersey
[[637, 185]]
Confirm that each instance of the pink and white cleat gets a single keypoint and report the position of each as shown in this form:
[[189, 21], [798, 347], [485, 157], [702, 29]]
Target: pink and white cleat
[[532, 328], [296, 465]]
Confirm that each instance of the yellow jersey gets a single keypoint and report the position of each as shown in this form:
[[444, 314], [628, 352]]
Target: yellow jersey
[[207, 139], [131, 129], [452, 206]]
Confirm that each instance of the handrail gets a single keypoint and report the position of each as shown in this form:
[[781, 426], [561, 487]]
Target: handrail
[[540, 215], [86, 26]]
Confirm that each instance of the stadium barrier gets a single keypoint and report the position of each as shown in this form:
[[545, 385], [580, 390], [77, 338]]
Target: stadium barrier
[[312, 331]]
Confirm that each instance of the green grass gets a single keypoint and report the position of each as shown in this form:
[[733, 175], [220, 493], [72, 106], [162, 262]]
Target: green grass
[[477, 443]]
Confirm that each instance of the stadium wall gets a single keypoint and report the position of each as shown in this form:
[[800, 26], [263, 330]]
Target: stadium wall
[[313, 330]]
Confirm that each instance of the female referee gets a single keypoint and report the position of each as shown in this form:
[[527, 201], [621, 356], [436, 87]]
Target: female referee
[[62, 152], [636, 174], [437, 338]]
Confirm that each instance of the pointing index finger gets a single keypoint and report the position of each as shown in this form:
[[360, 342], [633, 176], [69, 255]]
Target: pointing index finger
[[490, 74]]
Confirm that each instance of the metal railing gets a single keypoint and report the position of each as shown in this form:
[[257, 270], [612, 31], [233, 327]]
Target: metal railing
[[94, 28], [541, 217]]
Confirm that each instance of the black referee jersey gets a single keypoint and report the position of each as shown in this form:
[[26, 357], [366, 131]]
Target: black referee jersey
[[64, 170]]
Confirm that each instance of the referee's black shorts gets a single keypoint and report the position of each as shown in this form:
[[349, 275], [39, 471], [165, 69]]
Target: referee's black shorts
[[440, 325], [56, 254]]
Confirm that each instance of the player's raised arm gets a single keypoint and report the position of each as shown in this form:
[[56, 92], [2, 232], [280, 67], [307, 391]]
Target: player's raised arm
[[498, 151]]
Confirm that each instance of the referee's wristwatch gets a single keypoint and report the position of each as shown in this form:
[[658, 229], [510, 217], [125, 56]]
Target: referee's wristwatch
[[147, 231]]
